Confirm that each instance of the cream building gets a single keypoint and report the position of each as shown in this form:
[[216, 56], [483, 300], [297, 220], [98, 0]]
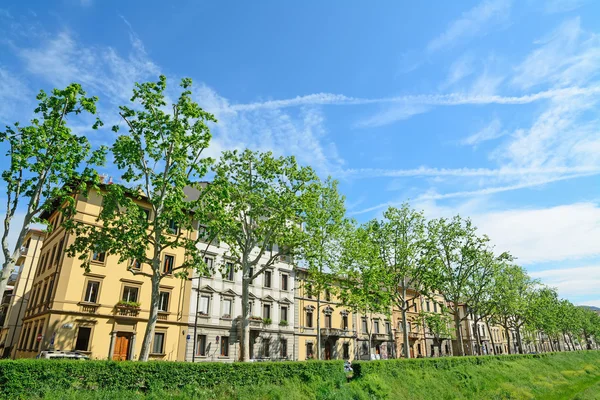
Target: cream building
[[337, 324], [96, 312], [27, 264], [215, 308]]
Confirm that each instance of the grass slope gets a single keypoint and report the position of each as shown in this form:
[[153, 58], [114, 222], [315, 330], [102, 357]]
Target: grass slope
[[573, 375]]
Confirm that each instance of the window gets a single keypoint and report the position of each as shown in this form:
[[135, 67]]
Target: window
[[267, 279], [130, 293], [432, 351], [309, 350], [266, 347], [59, 252], [284, 314], [98, 256], [364, 325], [284, 282], [283, 348], [345, 322], [91, 292], [327, 295], [52, 256], [266, 311], [376, 326], [327, 320], [173, 228], [346, 351], [419, 349], [434, 306], [50, 287], [135, 264], [224, 346], [159, 343], [308, 291], [204, 303], [209, 266], [428, 306], [229, 271], [201, 345], [388, 327], [168, 264], [227, 308], [163, 301], [83, 338], [309, 319], [36, 343], [145, 213]]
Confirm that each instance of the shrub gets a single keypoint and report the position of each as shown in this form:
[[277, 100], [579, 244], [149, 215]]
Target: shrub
[[30, 378], [362, 368]]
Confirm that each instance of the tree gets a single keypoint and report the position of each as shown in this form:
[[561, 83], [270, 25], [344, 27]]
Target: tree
[[543, 316], [362, 286], [256, 205], [399, 240], [512, 295], [453, 251], [45, 161], [439, 326], [161, 158], [324, 226]]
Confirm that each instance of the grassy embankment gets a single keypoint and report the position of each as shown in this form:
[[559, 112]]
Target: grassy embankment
[[573, 375]]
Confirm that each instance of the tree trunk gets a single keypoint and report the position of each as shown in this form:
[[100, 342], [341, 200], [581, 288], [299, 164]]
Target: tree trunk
[[551, 343], [566, 342], [459, 337], [558, 343], [478, 338], [519, 341], [244, 322], [439, 346], [405, 345], [150, 327], [508, 340], [487, 324], [319, 325]]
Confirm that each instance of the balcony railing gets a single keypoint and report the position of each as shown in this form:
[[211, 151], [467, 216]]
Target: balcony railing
[[381, 336], [89, 308], [286, 258], [413, 335], [335, 332], [126, 310]]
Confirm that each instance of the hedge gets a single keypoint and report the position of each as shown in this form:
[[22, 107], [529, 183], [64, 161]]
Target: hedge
[[27, 378], [362, 368]]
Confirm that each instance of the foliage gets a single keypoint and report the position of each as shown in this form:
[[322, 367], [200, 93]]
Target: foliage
[[28, 378], [161, 161], [45, 161], [267, 321], [256, 204], [283, 322], [133, 304]]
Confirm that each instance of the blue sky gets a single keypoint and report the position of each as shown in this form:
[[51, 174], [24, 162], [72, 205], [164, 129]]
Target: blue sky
[[488, 109]]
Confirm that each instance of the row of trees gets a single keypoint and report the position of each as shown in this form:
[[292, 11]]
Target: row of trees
[[262, 207]]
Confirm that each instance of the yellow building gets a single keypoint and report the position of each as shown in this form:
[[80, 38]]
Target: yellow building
[[94, 312], [337, 324], [27, 264], [416, 331]]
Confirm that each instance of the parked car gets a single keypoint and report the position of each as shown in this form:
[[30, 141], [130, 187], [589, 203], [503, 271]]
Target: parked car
[[58, 354]]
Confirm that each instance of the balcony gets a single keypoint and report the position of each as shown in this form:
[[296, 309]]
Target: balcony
[[128, 309], [413, 335], [89, 308], [286, 258], [23, 251], [381, 336], [335, 332]]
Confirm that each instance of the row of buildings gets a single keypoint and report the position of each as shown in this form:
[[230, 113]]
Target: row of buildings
[[54, 304]]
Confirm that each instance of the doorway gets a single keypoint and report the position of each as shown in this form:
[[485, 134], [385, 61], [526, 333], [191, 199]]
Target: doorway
[[122, 344], [328, 350]]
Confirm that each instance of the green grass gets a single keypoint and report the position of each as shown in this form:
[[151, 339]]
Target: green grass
[[573, 375]]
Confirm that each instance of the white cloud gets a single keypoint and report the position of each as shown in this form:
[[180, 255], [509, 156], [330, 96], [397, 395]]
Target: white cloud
[[452, 99], [473, 22], [62, 60], [491, 131], [559, 6], [568, 56], [14, 93], [392, 114], [459, 69], [572, 282]]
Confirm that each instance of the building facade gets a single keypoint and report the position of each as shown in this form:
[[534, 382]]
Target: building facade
[[10, 328], [337, 324], [103, 312], [215, 308]]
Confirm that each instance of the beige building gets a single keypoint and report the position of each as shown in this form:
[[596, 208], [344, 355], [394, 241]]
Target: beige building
[[22, 283], [337, 324], [97, 312]]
